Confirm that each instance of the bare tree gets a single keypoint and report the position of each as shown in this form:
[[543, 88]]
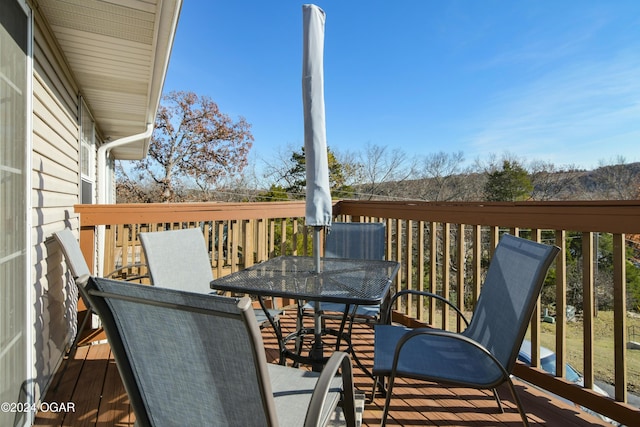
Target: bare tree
[[617, 180], [134, 189], [552, 183], [383, 172], [442, 175], [194, 144]]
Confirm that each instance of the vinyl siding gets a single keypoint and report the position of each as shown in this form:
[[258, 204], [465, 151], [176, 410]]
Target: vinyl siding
[[55, 189]]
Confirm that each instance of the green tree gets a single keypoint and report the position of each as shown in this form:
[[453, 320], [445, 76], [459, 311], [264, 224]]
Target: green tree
[[296, 176], [275, 194], [508, 184]]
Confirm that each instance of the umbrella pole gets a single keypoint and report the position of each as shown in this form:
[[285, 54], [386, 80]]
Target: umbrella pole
[[317, 350], [316, 247]]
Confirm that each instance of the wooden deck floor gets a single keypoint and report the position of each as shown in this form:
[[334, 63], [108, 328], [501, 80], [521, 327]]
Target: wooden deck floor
[[92, 384]]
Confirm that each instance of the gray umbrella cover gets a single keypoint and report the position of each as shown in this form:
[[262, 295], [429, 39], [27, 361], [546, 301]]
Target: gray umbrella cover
[[318, 196]]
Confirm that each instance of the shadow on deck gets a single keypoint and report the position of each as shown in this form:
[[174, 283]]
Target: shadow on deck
[[92, 384]]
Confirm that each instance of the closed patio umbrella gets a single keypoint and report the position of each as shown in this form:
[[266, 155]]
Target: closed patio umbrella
[[318, 195]]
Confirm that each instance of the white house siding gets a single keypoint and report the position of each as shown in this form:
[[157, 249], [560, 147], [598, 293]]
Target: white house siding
[[55, 189]]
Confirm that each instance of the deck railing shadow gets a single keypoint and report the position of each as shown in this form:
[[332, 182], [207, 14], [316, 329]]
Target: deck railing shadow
[[94, 386]]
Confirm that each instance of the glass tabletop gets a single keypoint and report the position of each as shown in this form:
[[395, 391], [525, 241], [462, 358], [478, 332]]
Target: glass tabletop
[[348, 281]]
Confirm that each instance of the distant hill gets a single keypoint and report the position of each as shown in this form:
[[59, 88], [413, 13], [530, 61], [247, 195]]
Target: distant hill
[[619, 182]]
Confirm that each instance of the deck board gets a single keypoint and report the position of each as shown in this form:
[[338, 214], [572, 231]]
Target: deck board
[[92, 382], [114, 406], [89, 388]]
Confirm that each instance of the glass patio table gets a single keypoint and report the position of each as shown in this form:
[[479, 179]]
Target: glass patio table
[[346, 281]]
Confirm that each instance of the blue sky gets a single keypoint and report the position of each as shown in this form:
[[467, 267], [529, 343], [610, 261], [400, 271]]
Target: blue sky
[[557, 81]]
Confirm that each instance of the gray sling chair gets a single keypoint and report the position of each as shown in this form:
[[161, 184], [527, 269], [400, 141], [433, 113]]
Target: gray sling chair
[[484, 354], [179, 259], [354, 240], [188, 359], [78, 267]]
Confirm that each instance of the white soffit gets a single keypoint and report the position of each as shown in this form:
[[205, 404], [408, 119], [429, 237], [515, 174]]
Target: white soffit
[[118, 52]]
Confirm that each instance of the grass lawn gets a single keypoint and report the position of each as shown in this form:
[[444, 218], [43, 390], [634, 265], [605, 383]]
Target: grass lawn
[[603, 347]]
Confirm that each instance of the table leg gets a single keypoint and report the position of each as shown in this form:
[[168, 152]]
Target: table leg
[[343, 322], [276, 328]]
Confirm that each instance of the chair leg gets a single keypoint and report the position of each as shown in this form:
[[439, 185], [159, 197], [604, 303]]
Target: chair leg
[[495, 395], [387, 401], [378, 384], [523, 414]]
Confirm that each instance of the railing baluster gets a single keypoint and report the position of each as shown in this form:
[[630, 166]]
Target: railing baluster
[[389, 236], [272, 237], [494, 236], [460, 274], [433, 268], [411, 300], [477, 263], [110, 234], [232, 244], [446, 269], [535, 318], [620, 316], [561, 303], [587, 307], [128, 245], [219, 249], [398, 248], [294, 236], [247, 250], [283, 234], [421, 260]]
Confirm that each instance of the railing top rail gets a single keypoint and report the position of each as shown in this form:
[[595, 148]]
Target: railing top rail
[[142, 213], [587, 216], [621, 216]]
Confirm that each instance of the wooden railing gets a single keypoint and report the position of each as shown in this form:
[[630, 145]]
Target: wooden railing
[[442, 247]]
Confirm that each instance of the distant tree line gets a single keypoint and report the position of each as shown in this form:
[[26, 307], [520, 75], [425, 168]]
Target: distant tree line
[[378, 173]]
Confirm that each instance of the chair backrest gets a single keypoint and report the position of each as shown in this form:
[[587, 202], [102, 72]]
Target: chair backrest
[[508, 296], [356, 240], [72, 253], [186, 358], [178, 259]]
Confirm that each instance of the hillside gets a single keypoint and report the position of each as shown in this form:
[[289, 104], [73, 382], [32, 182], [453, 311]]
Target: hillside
[[620, 182]]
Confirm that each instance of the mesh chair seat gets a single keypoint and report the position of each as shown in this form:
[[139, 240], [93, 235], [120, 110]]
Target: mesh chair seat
[[353, 240], [193, 359], [484, 354], [439, 357], [179, 259]]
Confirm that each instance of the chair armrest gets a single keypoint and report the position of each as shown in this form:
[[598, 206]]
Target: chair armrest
[[387, 318], [136, 277], [448, 334], [338, 360]]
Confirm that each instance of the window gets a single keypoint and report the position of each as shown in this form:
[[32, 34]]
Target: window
[[87, 156], [14, 98]]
